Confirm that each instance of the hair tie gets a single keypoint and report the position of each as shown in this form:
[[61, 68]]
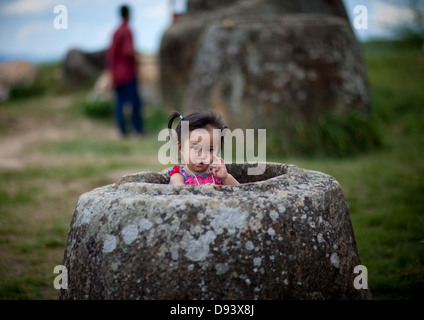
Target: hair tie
[[181, 117]]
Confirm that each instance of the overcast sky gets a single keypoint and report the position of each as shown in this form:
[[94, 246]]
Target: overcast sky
[[27, 29]]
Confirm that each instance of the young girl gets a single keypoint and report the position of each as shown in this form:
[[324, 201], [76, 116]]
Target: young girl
[[199, 149]]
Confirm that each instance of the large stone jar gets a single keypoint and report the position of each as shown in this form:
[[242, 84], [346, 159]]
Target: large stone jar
[[285, 234], [264, 63]]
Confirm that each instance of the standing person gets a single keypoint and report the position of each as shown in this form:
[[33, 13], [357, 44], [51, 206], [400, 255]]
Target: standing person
[[121, 61]]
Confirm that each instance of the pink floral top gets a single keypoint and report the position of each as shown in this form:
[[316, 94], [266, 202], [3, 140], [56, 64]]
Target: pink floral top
[[190, 179]]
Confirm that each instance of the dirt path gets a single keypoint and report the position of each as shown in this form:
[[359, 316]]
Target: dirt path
[[25, 131]]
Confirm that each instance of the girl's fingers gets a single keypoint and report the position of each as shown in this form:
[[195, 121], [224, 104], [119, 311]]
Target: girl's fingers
[[220, 160]]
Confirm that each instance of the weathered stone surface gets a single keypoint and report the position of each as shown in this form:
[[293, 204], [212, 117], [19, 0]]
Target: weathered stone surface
[[259, 72], [12, 73], [230, 7], [79, 65], [286, 237], [261, 62]]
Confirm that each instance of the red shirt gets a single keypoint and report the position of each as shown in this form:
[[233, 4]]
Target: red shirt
[[121, 56]]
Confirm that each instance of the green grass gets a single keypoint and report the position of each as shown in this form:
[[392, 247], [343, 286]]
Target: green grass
[[384, 192], [383, 186], [334, 134]]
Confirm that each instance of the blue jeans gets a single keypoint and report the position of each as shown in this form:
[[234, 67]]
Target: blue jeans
[[128, 93]]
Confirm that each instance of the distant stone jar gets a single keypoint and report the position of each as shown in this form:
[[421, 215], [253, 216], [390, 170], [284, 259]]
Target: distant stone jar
[[294, 68], [285, 234]]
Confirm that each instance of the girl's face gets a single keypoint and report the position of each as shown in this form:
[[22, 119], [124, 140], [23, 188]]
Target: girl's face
[[198, 150]]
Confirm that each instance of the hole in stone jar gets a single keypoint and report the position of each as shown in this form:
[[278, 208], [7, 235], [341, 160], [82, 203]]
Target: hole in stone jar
[[239, 172]]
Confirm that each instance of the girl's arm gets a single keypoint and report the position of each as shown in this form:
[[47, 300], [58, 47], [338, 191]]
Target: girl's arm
[[177, 179], [220, 171], [230, 180]]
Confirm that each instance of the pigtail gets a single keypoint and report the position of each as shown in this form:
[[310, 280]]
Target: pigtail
[[174, 114], [172, 117]]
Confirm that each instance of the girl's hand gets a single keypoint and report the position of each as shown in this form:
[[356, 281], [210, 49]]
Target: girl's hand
[[219, 170]]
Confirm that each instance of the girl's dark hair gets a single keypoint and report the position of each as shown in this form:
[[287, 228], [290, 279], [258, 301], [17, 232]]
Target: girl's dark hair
[[197, 120]]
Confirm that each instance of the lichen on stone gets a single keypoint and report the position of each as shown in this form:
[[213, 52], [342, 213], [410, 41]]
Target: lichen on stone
[[284, 235]]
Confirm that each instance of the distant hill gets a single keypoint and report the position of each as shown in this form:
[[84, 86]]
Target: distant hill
[[29, 57]]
